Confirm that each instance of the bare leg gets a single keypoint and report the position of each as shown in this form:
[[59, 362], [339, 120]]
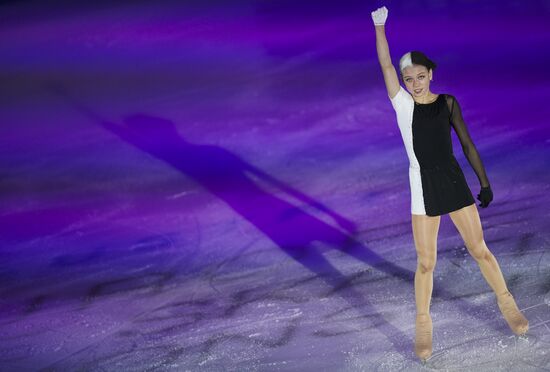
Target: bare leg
[[468, 224], [425, 229]]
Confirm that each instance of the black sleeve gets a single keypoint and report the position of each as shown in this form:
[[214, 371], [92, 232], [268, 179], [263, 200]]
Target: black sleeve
[[468, 146]]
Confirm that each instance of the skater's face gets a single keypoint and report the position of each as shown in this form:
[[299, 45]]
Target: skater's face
[[417, 80]]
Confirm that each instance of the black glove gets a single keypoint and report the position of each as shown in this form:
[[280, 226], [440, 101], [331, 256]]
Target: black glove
[[485, 196]]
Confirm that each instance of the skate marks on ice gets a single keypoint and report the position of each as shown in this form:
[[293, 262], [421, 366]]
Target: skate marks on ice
[[483, 349], [228, 320], [259, 319], [236, 329], [96, 269], [219, 347], [488, 352]]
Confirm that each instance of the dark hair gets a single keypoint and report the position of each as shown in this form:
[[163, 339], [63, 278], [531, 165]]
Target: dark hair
[[416, 58]]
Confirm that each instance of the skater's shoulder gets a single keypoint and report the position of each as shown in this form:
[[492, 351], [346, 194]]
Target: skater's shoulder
[[450, 98]]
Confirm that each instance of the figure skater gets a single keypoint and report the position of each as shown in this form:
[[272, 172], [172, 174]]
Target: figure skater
[[437, 183]]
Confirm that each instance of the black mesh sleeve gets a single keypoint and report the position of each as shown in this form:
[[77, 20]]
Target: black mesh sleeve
[[468, 146]]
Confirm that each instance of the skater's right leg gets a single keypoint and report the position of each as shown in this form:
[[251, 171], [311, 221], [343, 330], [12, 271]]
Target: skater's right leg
[[425, 230]]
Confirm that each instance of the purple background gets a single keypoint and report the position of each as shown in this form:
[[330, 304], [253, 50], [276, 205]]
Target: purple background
[[223, 185]]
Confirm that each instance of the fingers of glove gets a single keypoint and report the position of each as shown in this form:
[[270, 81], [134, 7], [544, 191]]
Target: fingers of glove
[[380, 15], [382, 11], [487, 195]]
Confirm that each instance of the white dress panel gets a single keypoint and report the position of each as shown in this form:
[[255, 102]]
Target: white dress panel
[[403, 104]]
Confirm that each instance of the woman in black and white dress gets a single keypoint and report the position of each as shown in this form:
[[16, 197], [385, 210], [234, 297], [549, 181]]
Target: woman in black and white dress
[[437, 183]]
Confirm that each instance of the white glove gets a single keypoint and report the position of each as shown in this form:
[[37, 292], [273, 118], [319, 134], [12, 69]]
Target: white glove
[[379, 16]]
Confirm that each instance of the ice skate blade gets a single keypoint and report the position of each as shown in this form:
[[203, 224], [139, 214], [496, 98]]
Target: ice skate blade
[[423, 337], [523, 331], [425, 360]]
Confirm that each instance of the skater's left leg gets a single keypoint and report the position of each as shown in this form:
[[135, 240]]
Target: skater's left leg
[[468, 224]]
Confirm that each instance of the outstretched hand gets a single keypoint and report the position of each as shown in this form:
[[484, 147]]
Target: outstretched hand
[[379, 16], [485, 196]]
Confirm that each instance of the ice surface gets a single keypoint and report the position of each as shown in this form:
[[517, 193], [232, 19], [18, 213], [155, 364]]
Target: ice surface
[[223, 187]]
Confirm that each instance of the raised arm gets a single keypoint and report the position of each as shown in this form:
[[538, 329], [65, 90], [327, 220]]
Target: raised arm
[[379, 17]]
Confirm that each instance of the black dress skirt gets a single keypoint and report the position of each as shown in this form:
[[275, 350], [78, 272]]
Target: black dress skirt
[[444, 186]]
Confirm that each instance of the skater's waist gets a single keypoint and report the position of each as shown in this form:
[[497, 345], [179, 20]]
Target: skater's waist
[[435, 167]]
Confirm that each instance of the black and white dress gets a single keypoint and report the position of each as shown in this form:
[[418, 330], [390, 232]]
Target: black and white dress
[[437, 183]]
